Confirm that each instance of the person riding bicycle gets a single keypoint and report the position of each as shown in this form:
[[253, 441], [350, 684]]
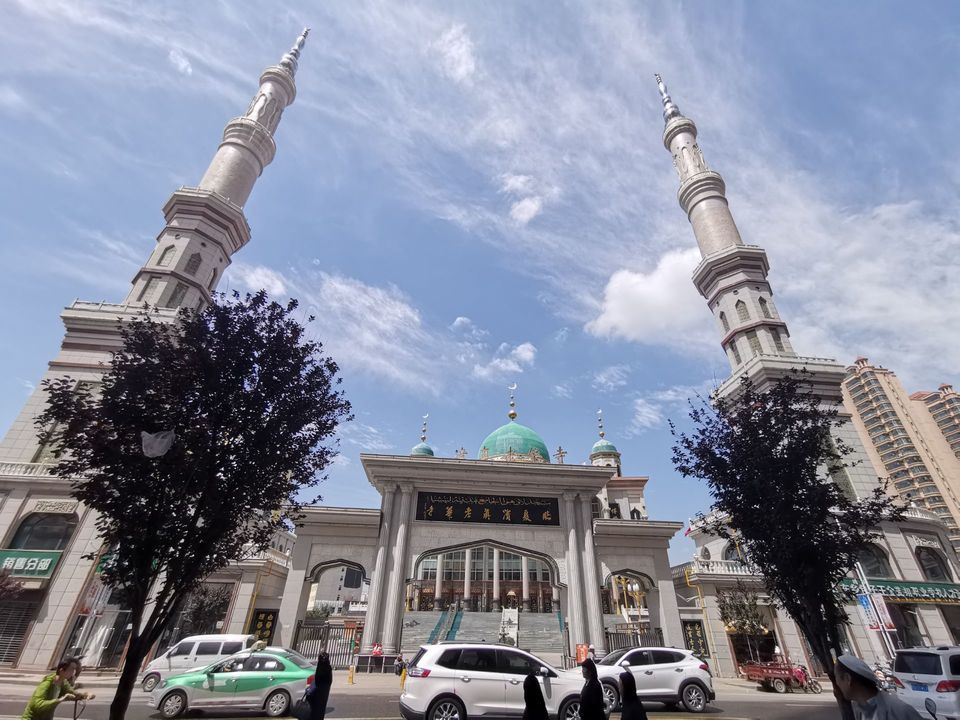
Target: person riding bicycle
[[53, 690]]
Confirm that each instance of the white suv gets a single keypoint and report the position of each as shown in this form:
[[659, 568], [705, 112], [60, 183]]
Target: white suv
[[929, 672], [455, 681], [666, 675]]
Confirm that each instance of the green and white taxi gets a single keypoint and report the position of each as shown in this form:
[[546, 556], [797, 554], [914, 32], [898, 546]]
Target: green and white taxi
[[271, 679]]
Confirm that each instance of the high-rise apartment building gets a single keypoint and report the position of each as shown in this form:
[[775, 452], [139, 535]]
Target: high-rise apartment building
[[909, 438]]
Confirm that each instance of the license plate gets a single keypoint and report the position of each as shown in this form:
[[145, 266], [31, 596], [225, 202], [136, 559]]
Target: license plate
[[919, 687]]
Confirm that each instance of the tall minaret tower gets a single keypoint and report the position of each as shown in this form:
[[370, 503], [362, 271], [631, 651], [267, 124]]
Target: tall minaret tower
[[732, 276], [205, 225]]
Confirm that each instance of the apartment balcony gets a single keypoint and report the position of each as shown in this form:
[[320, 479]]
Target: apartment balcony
[[728, 568], [28, 471]]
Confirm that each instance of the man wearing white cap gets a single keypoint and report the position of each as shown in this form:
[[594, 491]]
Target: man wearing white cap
[[858, 684]]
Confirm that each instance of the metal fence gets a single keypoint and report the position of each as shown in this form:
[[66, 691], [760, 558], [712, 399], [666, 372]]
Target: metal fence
[[619, 639], [339, 642]]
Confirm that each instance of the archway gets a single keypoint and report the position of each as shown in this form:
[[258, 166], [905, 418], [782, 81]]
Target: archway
[[484, 576], [337, 588], [625, 593]]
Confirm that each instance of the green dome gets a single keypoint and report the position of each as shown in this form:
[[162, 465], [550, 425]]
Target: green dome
[[604, 446], [516, 437], [422, 449]]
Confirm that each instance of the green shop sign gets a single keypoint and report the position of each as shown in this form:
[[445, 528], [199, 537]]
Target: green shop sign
[[903, 591], [29, 563]]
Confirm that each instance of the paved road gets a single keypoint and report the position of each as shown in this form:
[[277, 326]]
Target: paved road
[[385, 707]]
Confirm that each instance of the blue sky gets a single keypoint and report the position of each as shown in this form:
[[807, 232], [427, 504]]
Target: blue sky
[[472, 194]]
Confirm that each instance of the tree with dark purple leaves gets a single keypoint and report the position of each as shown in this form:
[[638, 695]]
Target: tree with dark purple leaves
[[195, 449], [776, 470]]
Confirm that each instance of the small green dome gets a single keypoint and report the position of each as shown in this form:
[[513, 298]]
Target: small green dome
[[603, 446], [516, 437], [422, 449]]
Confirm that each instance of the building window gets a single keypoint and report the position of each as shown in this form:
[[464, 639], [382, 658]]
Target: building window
[[176, 297], [723, 321], [764, 308], [777, 341], [736, 352], [874, 562], [193, 264], [213, 279], [704, 553], [595, 510], [166, 257], [933, 565], [754, 341], [44, 531], [742, 313], [731, 553], [148, 287]]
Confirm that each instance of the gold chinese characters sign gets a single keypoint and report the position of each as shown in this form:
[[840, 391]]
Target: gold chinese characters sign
[[488, 509]]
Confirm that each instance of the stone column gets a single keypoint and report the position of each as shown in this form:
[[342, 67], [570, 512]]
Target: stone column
[[378, 579], [495, 600], [393, 607], [574, 585], [615, 594], [438, 583], [467, 570], [525, 583], [296, 591], [591, 581]]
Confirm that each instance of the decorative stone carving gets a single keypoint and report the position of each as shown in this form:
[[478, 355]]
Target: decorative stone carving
[[56, 506], [923, 541]]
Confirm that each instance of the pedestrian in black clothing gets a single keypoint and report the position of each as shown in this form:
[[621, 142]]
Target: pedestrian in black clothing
[[534, 706], [630, 706], [322, 680], [592, 706]]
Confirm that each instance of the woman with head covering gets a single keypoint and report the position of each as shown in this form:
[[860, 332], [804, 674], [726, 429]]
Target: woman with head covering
[[630, 706], [592, 706], [322, 680], [534, 706]]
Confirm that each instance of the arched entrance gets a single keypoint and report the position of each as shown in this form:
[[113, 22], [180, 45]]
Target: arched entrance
[[486, 576], [338, 588], [625, 594]]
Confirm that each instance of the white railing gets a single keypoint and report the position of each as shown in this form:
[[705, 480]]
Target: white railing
[[921, 514], [130, 309], [270, 555], [712, 567], [27, 469]]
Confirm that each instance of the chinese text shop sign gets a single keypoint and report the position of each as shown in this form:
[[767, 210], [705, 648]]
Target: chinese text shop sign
[[29, 563], [489, 509]]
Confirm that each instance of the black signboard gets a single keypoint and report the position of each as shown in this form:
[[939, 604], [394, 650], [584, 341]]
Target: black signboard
[[488, 509], [695, 639], [262, 624]]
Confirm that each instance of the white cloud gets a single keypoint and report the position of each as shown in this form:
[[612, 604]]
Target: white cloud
[[509, 360], [561, 335], [258, 277], [11, 100], [366, 437], [466, 327], [523, 211], [646, 415], [658, 308], [561, 390], [517, 184], [611, 378], [180, 62], [27, 385], [455, 50]]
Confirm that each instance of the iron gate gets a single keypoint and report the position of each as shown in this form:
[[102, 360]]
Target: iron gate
[[634, 638], [339, 642]]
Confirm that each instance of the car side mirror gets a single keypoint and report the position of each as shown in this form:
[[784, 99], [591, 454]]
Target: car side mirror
[[544, 671], [624, 664], [931, 707]]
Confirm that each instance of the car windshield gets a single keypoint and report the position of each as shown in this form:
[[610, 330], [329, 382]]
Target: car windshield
[[918, 663], [297, 659], [614, 657]]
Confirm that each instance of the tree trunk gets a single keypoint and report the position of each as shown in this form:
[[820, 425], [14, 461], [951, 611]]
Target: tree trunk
[[136, 651]]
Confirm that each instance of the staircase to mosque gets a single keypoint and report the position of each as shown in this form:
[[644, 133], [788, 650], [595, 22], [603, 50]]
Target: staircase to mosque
[[540, 634], [478, 627], [418, 628]]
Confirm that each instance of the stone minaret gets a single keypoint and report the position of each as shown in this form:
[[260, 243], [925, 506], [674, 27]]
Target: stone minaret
[[732, 276], [205, 225]]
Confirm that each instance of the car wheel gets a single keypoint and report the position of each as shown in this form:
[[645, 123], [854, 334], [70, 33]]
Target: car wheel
[[779, 685], [277, 704], [694, 698], [173, 705], [570, 710], [150, 682], [447, 709], [611, 697]]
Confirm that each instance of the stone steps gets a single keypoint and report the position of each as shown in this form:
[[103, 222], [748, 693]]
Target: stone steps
[[417, 628], [540, 633]]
